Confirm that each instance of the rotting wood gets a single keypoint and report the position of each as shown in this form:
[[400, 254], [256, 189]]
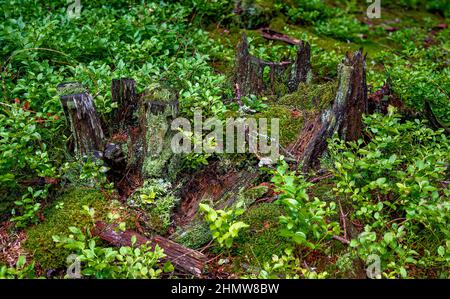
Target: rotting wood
[[210, 184], [123, 92], [182, 258], [344, 117], [79, 109], [256, 76]]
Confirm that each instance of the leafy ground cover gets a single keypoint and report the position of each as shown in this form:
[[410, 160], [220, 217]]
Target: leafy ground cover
[[386, 194]]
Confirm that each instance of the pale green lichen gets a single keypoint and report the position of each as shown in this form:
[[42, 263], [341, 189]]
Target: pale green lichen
[[158, 135], [71, 88]]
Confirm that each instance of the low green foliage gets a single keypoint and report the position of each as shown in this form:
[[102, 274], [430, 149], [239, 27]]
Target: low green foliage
[[20, 271], [311, 11], [223, 224], [395, 186], [285, 266], [89, 172], [28, 207], [305, 221], [342, 28], [108, 263]]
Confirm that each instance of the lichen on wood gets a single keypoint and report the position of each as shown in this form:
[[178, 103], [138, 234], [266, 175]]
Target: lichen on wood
[[158, 106]]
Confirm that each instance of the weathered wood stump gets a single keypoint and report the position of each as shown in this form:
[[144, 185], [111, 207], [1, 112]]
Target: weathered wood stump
[[256, 76], [123, 92], [84, 122], [344, 117]]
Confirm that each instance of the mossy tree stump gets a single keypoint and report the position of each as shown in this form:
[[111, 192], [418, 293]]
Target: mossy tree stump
[[158, 107], [256, 76]]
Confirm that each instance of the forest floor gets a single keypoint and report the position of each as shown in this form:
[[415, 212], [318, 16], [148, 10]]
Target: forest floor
[[388, 196]]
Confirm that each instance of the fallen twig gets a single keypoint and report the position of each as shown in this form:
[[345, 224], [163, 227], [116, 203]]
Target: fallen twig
[[273, 35], [340, 239]]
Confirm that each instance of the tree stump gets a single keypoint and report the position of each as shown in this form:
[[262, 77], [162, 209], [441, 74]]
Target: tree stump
[[256, 76], [85, 124], [344, 117], [158, 107], [123, 92]]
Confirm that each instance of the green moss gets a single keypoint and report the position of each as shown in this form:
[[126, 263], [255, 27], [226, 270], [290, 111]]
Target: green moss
[[255, 193], [278, 23], [66, 211], [290, 124], [256, 12], [258, 243], [193, 236], [311, 97]]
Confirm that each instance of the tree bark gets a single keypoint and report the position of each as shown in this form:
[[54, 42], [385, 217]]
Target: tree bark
[[123, 92], [344, 117], [85, 124]]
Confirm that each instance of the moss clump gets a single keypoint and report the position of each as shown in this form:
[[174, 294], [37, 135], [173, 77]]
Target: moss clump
[[311, 97], [66, 211], [290, 123], [252, 194], [155, 198], [194, 236], [258, 243]]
